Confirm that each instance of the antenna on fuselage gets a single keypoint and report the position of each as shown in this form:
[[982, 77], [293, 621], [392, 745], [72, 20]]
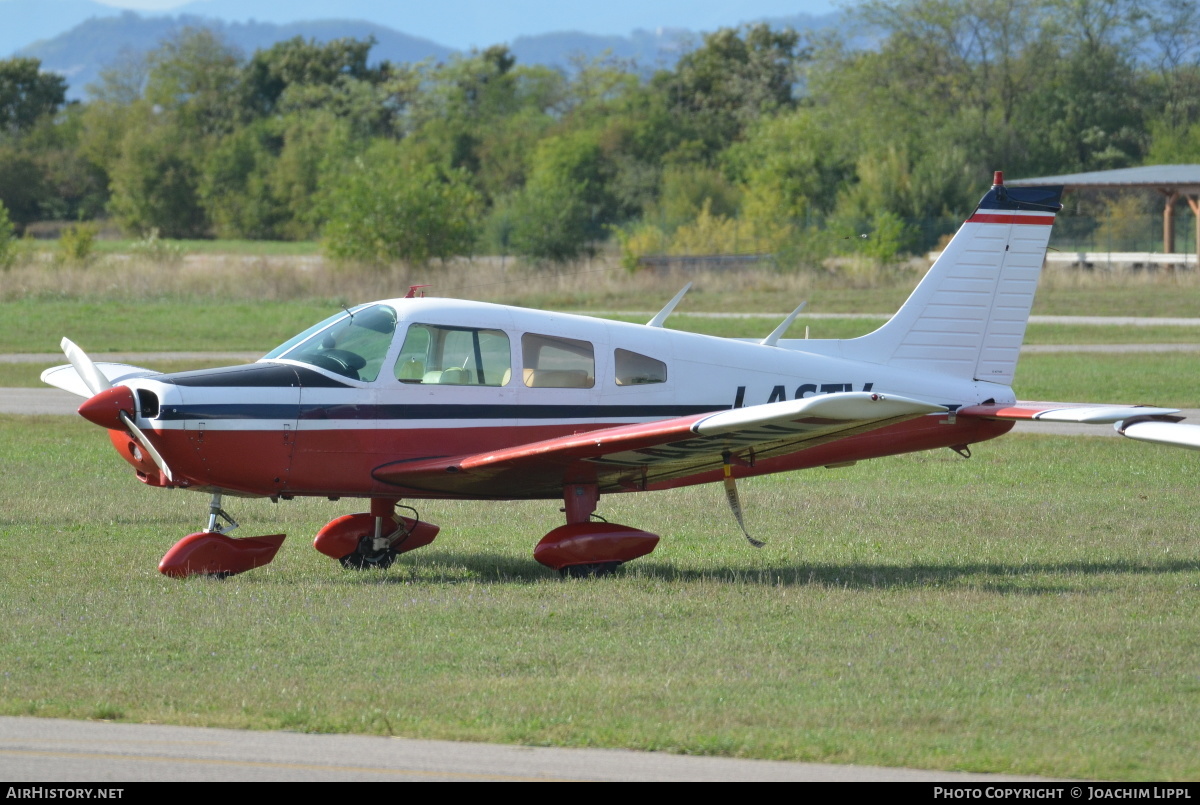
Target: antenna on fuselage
[[778, 332], [658, 320]]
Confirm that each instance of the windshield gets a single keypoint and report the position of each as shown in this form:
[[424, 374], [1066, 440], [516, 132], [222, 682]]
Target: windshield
[[351, 344]]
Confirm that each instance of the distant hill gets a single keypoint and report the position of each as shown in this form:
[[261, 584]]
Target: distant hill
[[89, 46], [82, 52], [27, 21]]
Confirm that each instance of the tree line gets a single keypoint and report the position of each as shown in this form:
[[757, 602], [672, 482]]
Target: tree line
[[757, 140]]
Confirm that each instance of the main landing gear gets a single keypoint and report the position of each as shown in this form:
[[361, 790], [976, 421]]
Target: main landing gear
[[211, 553], [375, 538], [583, 548]]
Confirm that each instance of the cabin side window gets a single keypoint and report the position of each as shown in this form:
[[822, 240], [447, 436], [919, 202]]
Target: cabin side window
[[454, 356], [551, 362], [633, 369]]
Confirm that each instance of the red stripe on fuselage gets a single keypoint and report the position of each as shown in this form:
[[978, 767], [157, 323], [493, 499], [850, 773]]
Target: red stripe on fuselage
[[339, 463], [1004, 218]]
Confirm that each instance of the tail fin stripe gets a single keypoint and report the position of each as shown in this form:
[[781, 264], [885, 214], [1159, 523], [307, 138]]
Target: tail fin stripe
[[994, 218]]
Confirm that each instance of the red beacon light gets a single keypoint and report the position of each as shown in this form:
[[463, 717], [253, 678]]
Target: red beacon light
[[997, 178], [412, 291]]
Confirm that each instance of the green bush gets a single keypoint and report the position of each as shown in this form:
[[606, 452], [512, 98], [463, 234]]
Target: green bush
[[8, 245], [78, 242], [154, 249]]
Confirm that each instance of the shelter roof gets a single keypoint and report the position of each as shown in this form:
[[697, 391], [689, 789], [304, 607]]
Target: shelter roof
[[1179, 178]]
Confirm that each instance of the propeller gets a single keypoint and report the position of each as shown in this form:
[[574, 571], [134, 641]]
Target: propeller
[[96, 383], [91, 376]]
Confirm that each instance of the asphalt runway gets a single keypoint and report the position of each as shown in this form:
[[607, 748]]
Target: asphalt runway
[[55, 750]]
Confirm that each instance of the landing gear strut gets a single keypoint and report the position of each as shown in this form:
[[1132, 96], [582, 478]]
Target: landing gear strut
[[583, 548]]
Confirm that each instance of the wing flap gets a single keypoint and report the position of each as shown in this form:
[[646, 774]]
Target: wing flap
[[632, 456]]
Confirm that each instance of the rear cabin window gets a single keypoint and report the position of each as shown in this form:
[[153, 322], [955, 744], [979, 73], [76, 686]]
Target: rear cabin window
[[454, 356], [551, 362], [633, 369]]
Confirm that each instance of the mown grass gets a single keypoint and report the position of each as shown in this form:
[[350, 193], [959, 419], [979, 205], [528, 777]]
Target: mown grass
[[1031, 611], [172, 326]]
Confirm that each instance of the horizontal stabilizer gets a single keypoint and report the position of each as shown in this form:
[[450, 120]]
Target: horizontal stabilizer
[[1081, 413], [67, 378], [1158, 432]]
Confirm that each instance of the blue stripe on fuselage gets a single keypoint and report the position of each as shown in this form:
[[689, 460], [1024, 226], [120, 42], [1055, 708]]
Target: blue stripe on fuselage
[[259, 411]]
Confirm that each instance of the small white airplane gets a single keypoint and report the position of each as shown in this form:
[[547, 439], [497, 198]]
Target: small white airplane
[[442, 398]]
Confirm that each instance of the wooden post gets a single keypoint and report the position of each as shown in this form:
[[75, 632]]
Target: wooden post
[[1169, 221], [1194, 203]]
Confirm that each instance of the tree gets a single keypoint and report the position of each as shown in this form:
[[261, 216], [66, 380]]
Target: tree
[[155, 181], [235, 185], [7, 245], [734, 78], [194, 75], [387, 207], [567, 201], [22, 186], [27, 94], [301, 62]]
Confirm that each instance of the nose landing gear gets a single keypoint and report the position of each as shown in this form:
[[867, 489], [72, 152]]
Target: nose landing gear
[[212, 553]]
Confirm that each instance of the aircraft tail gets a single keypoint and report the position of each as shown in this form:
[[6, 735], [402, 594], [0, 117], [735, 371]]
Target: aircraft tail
[[967, 317]]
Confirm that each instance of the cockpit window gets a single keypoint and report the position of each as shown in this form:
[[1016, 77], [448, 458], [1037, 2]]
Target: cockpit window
[[351, 344], [454, 356]]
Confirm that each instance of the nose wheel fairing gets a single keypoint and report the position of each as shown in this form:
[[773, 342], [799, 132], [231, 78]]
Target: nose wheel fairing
[[211, 553]]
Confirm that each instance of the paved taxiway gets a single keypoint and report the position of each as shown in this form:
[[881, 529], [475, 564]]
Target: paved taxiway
[[53, 750]]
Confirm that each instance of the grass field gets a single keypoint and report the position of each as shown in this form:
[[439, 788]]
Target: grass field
[[1031, 610], [594, 284], [151, 326]]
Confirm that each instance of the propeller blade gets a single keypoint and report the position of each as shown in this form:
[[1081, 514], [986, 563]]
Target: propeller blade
[[731, 494], [91, 376], [155, 456]]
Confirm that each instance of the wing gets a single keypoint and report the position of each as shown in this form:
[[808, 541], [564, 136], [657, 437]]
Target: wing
[[1080, 413], [635, 456]]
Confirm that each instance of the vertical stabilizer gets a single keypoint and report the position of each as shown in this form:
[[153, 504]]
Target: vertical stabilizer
[[967, 317]]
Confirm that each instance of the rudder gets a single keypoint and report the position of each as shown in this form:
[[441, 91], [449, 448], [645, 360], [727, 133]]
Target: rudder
[[967, 317]]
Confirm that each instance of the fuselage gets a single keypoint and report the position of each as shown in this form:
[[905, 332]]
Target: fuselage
[[410, 379]]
